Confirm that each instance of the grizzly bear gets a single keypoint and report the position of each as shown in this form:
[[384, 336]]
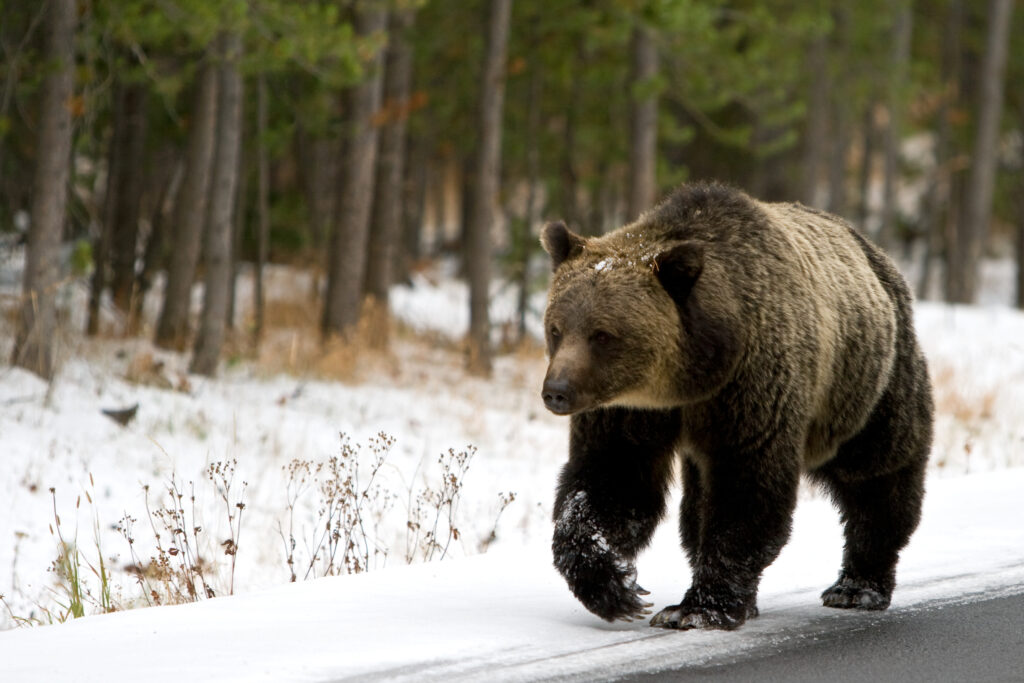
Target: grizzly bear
[[752, 342]]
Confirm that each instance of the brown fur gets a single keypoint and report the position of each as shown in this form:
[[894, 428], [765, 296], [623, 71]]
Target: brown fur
[[774, 336]]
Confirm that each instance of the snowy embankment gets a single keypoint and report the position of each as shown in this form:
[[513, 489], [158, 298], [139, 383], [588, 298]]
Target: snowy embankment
[[505, 611], [506, 615]]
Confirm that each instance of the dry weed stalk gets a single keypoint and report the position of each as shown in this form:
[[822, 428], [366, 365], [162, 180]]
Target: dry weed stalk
[[343, 545], [504, 500], [177, 567], [352, 505], [222, 475], [434, 506]]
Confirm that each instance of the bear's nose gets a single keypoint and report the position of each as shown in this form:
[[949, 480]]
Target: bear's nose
[[558, 396]]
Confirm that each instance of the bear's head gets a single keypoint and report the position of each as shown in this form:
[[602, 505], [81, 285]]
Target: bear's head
[[624, 325]]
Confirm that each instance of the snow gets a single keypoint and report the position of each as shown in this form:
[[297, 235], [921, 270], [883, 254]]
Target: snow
[[504, 614], [507, 615]]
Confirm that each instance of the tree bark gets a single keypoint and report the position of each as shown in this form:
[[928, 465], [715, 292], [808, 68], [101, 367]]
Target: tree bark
[[1019, 301], [189, 216], [570, 177], [869, 137], [347, 258], [125, 229], [1020, 236], [219, 224], [262, 206], [386, 226], [767, 177], [900, 64], [167, 184], [839, 107], [319, 161], [35, 339], [937, 199], [643, 154], [488, 169], [527, 237], [973, 225], [415, 188], [816, 135], [837, 195], [101, 245], [238, 217], [115, 250]]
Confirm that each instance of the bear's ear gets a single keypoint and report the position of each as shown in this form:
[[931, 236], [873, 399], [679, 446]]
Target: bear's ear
[[561, 243], [678, 267]]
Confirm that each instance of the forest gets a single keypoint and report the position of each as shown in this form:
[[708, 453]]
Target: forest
[[148, 143]]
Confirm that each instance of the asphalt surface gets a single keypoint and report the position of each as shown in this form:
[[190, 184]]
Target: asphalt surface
[[980, 640]]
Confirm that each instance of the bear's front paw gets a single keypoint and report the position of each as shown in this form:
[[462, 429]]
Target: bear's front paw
[[723, 615], [602, 581], [849, 593]]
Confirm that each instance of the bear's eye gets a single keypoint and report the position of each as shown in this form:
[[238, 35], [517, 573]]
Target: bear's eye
[[555, 333], [601, 338]]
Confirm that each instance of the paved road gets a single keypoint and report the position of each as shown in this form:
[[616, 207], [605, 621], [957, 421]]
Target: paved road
[[981, 640]]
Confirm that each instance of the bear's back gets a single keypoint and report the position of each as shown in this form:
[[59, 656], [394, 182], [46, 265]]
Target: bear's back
[[812, 303]]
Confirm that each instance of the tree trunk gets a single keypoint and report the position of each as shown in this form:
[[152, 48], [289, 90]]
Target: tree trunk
[[414, 202], [972, 228], [767, 177], [115, 250], [937, 199], [238, 217], [386, 226], [837, 195], [1020, 237], [643, 144], [816, 135], [347, 258], [101, 245], [900, 65], [35, 339], [866, 162], [488, 169], [527, 239], [262, 207], [319, 162], [220, 223], [1020, 214], [189, 216], [466, 198], [838, 104], [125, 228], [154, 256], [570, 177]]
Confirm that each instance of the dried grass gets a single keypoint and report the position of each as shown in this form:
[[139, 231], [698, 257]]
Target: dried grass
[[338, 533], [963, 403]]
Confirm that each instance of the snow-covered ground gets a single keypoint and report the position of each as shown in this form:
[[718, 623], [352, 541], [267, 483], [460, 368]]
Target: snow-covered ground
[[503, 611], [506, 615]]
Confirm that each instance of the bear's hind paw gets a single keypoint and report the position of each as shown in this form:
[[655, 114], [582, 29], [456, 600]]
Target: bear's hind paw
[[849, 593]]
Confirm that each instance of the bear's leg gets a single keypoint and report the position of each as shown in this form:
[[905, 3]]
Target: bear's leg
[[879, 515], [690, 511], [877, 481], [735, 518], [611, 496]]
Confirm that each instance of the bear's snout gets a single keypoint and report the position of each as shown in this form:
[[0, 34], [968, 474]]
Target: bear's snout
[[559, 396]]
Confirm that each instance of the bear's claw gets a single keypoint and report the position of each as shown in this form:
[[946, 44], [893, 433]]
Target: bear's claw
[[605, 584], [600, 576]]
